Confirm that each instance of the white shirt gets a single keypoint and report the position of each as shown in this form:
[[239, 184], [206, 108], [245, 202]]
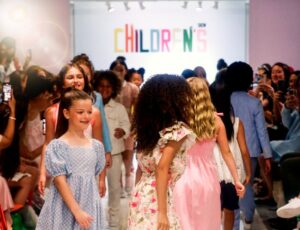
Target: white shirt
[[117, 117]]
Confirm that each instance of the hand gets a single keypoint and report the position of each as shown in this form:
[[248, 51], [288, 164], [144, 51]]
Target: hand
[[12, 104], [102, 188], [240, 189], [42, 182], [108, 159], [252, 92], [162, 222], [119, 133], [278, 95], [247, 180], [83, 219], [267, 165]]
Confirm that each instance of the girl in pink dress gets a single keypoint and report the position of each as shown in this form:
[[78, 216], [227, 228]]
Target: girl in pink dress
[[163, 139], [197, 192]]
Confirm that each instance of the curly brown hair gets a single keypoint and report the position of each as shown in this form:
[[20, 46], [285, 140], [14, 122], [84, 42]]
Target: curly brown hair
[[162, 101]]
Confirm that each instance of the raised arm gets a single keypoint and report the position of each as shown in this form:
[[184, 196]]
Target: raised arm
[[7, 136]]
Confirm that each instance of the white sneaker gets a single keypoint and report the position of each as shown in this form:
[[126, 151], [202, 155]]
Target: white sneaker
[[291, 209]]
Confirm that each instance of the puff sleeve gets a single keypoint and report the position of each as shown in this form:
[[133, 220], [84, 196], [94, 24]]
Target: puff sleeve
[[56, 159], [176, 133]]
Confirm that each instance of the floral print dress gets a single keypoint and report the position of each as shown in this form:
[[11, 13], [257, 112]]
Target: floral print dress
[[143, 205]]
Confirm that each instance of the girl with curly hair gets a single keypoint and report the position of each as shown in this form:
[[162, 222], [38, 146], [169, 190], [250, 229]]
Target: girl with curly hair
[[197, 192], [163, 138]]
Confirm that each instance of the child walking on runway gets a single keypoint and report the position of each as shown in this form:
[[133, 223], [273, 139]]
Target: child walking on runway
[[74, 161], [163, 139]]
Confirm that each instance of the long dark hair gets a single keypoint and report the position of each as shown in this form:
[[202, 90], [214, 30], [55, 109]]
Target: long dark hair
[[68, 97], [220, 96], [162, 101], [36, 85]]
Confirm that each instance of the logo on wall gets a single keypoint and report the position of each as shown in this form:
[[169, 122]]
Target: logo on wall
[[128, 39]]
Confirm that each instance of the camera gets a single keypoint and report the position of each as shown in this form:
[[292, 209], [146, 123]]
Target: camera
[[6, 92]]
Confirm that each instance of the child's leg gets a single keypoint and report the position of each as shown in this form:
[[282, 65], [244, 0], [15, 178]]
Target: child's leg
[[114, 189], [228, 219], [267, 178], [8, 220], [247, 204], [128, 158], [23, 187], [230, 202]]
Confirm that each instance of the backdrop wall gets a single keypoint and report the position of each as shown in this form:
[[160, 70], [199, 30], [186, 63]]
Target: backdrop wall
[[46, 28], [163, 38], [274, 32]]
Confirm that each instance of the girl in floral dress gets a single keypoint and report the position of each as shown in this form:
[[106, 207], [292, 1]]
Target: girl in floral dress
[[163, 139]]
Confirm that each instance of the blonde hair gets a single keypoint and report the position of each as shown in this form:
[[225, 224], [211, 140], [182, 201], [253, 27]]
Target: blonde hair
[[203, 121]]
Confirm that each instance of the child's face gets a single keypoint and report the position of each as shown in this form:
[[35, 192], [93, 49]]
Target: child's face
[[74, 78], [105, 88], [136, 79], [79, 114]]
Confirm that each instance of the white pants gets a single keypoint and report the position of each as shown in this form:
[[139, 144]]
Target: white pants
[[114, 191]]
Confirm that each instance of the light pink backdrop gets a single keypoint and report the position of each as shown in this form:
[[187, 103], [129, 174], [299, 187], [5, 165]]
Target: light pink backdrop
[[40, 25], [274, 32]]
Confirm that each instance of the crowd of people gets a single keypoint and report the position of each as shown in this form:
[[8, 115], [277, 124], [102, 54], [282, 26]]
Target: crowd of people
[[200, 147]]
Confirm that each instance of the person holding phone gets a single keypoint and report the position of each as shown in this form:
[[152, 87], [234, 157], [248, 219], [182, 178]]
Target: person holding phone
[[291, 120]]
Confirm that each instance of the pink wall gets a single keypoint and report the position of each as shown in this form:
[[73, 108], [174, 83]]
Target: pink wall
[[274, 32], [43, 26]]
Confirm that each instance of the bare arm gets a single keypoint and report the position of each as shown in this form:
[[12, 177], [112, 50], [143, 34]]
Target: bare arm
[[83, 218], [97, 134], [227, 155], [97, 126], [50, 134], [244, 151], [162, 177], [8, 134], [138, 175]]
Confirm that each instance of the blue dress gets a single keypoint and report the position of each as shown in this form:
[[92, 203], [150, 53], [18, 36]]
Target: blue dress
[[80, 165]]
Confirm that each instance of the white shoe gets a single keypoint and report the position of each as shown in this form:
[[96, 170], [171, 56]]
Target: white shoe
[[291, 209]]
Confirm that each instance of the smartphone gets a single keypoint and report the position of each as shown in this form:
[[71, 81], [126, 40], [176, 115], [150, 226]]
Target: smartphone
[[281, 86], [292, 91], [6, 92]]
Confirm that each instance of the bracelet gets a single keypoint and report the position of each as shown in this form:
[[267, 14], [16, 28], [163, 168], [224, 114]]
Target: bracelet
[[13, 118]]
